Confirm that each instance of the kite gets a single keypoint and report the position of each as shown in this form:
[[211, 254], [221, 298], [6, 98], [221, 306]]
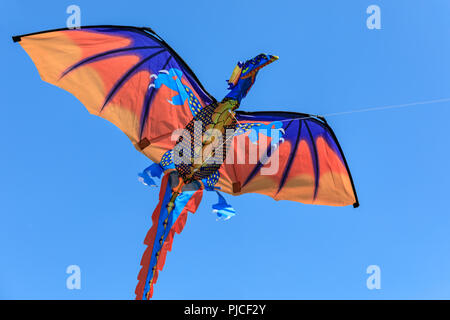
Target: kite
[[131, 77]]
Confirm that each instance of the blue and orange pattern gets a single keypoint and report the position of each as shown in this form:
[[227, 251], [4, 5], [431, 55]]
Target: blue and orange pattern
[[126, 75], [311, 165], [132, 78]]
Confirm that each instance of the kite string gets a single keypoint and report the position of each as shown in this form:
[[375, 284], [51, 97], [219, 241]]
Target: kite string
[[395, 106]]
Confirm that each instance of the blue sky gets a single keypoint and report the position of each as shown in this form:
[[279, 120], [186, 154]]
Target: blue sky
[[68, 181]]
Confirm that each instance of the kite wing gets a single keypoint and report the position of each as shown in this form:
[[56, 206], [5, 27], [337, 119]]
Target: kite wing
[[298, 159], [127, 75]]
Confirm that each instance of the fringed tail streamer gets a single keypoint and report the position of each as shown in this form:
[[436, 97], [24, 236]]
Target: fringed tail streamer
[[160, 236]]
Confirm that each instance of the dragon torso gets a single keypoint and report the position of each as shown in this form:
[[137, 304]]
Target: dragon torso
[[207, 140]]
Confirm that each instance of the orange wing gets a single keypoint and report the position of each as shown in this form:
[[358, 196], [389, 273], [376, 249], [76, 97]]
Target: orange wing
[[295, 157], [126, 75]]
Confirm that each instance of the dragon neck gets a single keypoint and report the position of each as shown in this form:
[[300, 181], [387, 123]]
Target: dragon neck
[[227, 100]]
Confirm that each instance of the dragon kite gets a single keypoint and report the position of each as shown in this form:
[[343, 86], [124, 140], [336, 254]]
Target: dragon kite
[[134, 79]]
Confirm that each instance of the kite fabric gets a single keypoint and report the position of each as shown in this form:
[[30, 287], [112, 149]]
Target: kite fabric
[[131, 77], [160, 236]]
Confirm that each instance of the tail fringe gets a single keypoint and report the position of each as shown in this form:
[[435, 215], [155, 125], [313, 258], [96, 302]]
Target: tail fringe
[[177, 227]]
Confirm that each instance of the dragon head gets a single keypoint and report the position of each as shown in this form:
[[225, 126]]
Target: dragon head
[[244, 75]]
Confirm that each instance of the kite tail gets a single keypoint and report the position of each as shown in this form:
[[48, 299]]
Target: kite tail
[[160, 236], [175, 192]]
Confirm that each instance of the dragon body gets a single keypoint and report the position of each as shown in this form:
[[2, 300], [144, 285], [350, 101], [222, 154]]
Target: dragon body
[[131, 77]]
